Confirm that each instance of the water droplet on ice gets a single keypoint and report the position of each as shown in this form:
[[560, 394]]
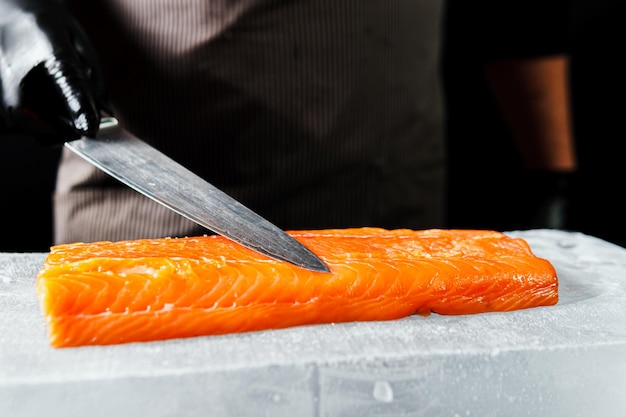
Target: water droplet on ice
[[566, 244], [383, 391]]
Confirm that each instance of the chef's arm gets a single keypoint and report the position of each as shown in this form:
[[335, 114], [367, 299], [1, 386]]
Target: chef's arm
[[534, 99], [50, 82], [533, 96]]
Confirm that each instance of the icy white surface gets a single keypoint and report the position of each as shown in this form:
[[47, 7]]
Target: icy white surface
[[564, 360]]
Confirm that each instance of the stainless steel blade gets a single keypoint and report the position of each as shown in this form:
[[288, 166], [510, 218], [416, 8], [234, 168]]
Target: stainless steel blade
[[150, 172]]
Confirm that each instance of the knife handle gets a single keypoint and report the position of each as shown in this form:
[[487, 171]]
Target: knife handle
[[108, 122]]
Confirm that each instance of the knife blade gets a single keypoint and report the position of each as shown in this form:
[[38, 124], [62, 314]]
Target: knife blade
[[135, 163]]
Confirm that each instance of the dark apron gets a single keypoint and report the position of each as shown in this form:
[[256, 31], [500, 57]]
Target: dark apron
[[316, 114]]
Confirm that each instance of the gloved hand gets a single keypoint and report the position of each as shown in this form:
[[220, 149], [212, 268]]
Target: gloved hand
[[552, 192], [50, 82]]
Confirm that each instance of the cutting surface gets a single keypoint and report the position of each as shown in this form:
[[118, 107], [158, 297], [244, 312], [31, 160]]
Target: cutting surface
[[564, 360]]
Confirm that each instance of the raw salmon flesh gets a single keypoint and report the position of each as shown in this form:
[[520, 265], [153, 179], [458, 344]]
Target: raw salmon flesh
[[155, 289]]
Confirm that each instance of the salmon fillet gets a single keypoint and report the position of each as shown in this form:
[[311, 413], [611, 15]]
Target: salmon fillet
[[154, 289]]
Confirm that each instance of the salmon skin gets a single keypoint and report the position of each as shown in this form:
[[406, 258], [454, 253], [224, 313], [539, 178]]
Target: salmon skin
[[155, 289]]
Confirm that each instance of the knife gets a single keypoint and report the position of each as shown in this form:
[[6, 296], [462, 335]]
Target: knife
[[132, 161]]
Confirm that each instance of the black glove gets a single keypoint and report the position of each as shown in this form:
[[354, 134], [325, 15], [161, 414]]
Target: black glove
[[552, 192], [50, 82]]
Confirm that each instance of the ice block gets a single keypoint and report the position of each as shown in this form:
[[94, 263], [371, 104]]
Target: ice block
[[564, 360]]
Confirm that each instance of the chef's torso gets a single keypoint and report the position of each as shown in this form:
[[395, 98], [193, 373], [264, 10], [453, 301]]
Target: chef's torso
[[316, 114]]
